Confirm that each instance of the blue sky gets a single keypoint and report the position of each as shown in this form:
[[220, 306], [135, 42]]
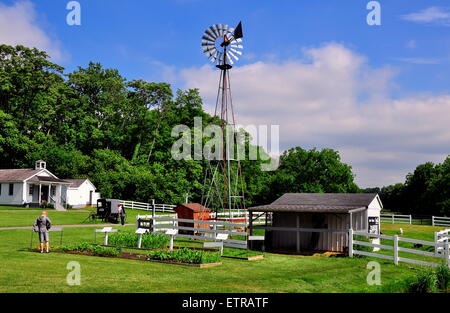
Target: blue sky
[[404, 64]]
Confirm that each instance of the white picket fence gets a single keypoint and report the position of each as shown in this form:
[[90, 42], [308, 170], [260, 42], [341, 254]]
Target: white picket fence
[[209, 233], [396, 249], [388, 218], [441, 237], [440, 221], [165, 208]]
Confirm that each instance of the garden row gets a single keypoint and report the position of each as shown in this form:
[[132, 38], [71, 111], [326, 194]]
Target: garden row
[[157, 244]]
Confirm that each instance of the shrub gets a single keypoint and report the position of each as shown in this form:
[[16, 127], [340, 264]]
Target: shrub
[[97, 250], [424, 282], [83, 246], [443, 277], [185, 256], [106, 251], [149, 241]]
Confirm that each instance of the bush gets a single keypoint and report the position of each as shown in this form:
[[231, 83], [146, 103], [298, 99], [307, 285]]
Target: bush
[[424, 282], [185, 256], [83, 246], [106, 251], [443, 277], [97, 250], [149, 241]]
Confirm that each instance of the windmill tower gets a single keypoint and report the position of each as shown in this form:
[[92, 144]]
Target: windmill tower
[[223, 189]]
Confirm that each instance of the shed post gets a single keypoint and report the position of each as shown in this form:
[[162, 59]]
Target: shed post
[[396, 250], [351, 221], [350, 243]]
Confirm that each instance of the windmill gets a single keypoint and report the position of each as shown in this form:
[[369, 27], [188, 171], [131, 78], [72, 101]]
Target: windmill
[[223, 187]]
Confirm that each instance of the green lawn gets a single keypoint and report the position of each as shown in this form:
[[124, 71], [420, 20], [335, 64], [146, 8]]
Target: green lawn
[[24, 271]]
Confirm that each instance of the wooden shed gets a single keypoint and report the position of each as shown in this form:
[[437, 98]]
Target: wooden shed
[[317, 222], [192, 211]]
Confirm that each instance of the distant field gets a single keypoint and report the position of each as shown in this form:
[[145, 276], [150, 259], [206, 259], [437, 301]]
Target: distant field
[[20, 218]]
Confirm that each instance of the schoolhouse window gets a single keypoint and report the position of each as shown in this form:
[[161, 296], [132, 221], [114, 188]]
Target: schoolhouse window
[[31, 191], [11, 189], [1, 189]]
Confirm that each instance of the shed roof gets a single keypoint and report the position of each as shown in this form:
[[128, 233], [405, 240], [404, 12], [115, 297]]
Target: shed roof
[[318, 203], [196, 207]]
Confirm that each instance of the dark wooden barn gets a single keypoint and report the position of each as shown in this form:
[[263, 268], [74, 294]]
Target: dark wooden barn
[[192, 211], [317, 222]]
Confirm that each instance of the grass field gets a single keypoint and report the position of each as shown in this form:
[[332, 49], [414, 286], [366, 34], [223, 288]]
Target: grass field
[[25, 271]]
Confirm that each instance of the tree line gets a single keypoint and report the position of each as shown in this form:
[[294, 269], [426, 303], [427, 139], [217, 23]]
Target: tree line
[[426, 191], [95, 123]]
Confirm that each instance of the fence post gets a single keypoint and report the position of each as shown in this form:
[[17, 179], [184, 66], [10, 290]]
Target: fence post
[[350, 243], [432, 220], [132, 205], [446, 253], [396, 250], [410, 219], [153, 208], [393, 219], [436, 237]]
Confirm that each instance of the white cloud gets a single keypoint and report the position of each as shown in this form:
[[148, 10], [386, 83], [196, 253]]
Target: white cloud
[[335, 99], [19, 26], [430, 15]]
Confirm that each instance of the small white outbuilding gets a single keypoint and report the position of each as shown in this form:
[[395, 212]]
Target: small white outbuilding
[[82, 193]]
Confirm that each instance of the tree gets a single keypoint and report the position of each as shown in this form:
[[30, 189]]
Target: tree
[[312, 171]]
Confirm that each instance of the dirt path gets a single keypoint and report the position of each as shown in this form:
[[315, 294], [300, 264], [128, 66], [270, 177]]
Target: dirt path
[[68, 226]]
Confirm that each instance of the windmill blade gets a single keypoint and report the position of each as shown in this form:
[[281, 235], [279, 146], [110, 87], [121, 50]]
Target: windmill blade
[[208, 49], [208, 38], [225, 29], [214, 58], [206, 43], [233, 56], [214, 31], [210, 33], [220, 29], [238, 40], [235, 51], [230, 60], [237, 46]]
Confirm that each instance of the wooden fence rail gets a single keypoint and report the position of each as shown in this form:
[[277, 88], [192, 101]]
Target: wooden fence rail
[[165, 208], [405, 219], [396, 249], [209, 233], [440, 221]]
